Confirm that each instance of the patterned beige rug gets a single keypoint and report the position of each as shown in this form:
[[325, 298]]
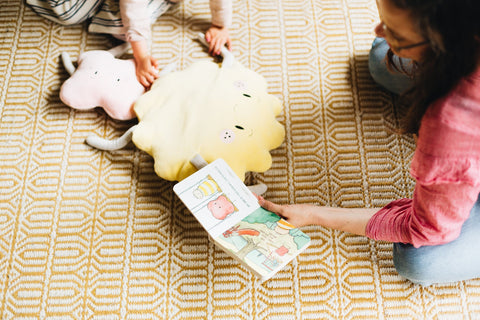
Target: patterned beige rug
[[86, 234]]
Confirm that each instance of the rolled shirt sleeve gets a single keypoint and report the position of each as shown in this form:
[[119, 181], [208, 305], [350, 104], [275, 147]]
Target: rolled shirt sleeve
[[221, 13], [446, 167], [136, 19], [434, 216]]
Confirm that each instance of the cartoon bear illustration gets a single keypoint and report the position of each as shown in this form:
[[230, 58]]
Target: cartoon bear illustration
[[221, 207]]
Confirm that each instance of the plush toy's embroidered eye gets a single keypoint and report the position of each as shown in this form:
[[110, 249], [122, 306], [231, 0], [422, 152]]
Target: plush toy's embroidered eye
[[118, 80], [247, 95], [239, 127]]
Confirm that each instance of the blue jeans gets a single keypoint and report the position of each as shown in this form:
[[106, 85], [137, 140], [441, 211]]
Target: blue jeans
[[393, 81], [455, 261]]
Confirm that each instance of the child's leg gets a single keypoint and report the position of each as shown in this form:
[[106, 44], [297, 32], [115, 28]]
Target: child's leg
[[455, 261], [393, 81], [66, 12], [108, 19]]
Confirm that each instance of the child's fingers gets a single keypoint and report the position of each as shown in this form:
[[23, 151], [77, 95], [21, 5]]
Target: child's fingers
[[214, 49], [218, 46], [211, 48], [144, 82], [148, 77], [154, 72]]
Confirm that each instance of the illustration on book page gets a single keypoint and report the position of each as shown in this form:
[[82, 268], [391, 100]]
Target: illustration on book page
[[216, 197]]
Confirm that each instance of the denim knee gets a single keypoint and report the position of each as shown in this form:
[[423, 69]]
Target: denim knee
[[411, 264], [391, 80], [454, 261]]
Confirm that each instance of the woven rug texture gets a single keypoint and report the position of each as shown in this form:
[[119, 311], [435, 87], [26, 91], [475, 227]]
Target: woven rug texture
[[86, 234]]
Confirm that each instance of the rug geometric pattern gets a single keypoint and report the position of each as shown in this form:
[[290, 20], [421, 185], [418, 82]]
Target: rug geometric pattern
[[86, 234]]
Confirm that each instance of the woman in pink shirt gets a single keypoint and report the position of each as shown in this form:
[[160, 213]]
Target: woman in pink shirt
[[130, 20], [437, 44]]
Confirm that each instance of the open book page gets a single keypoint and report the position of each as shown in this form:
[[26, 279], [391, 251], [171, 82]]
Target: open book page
[[263, 241], [257, 238], [216, 197]]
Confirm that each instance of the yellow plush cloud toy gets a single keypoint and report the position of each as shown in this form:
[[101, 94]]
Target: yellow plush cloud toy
[[207, 110]]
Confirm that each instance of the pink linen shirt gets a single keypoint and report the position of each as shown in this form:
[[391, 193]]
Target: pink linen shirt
[[446, 166]]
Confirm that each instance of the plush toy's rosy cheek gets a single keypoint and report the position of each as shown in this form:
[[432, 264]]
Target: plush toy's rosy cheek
[[221, 207], [227, 136], [239, 84]]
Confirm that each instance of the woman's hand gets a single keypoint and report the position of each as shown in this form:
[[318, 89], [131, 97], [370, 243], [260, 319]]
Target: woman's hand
[[296, 214], [217, 37], [344, 219]]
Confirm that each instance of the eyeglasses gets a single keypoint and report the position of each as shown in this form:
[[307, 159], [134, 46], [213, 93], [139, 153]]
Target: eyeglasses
[[389, 34]]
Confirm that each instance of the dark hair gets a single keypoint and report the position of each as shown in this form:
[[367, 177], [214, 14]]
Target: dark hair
[[452, 28]]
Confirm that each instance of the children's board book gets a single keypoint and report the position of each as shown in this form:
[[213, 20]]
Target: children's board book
[[259, 239]]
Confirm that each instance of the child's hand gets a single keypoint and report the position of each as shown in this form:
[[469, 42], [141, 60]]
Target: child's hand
[[146, 70], [217, 37], [146, 66]]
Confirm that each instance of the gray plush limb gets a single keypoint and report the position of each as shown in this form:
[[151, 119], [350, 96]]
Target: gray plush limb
[[67, 63], [110, 145], [120, 49], [167, 69], [198, 162], [258, 189]]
